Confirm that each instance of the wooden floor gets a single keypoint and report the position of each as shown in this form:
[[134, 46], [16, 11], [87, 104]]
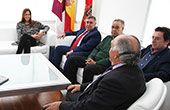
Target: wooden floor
[[28, 102]]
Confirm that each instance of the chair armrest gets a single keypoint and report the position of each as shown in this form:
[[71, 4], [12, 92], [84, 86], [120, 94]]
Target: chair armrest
[[66, 41], [50, 39]]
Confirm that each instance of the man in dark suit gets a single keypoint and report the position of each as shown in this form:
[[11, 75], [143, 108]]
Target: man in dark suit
[[86, 39], [116, 89], [155, 59]]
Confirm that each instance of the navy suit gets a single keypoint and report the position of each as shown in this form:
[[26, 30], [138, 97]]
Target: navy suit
[[159, 66], [116, 90], [89, 41]]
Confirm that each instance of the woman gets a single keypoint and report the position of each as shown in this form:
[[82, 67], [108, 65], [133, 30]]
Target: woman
[[29, 33]]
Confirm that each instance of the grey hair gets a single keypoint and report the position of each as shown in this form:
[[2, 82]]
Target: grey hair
[[120, 20], [127, 54]]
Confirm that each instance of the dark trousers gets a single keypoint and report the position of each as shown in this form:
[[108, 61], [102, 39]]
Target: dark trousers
[[26, 42], [89, 70], [57, 57], [59, 52]]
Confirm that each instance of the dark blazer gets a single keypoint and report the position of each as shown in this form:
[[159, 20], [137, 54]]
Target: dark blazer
[[117, 90], [159, 66], [88, 43]]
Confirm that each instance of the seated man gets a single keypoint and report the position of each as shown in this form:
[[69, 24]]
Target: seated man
[[155, 59], [116, 89], [97, 61], [86, 39]]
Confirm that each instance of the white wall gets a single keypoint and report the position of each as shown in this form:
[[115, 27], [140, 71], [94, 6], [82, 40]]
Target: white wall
[[133, 12], [11, 12], [158, 16]]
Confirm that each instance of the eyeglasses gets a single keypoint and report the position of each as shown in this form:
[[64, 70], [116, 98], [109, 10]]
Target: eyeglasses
[[89, 22], [116, 27]]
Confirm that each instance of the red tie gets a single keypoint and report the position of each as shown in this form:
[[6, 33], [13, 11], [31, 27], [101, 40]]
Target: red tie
[[77, 41]]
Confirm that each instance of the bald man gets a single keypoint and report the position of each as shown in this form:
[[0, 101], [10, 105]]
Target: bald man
[[115, 89]]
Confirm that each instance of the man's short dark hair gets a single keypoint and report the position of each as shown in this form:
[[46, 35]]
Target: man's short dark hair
[[166, 32], [91, 17]]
